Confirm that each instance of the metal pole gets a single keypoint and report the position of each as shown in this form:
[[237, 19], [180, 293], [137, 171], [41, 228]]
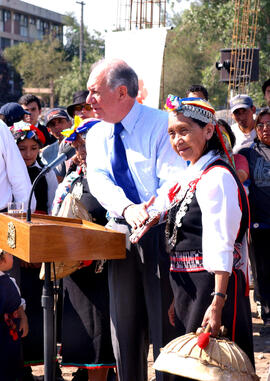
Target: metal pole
[[81, 34], [47, 302]]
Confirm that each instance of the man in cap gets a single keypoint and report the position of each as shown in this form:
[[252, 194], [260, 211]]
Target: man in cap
[[266, 91], [15, 184], [31, 103], [11, 113], [79, 106], [56, 120], [242, 110]]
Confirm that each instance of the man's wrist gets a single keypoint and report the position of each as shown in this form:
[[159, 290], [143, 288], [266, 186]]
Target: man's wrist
[[125, 208]]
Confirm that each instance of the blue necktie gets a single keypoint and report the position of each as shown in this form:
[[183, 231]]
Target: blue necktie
[[121, 171]]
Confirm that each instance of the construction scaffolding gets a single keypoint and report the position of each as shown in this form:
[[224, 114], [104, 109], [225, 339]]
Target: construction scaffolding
[[243, 45], [140, 14]]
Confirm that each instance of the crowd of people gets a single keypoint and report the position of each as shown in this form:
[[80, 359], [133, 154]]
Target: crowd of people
[[175, 182]]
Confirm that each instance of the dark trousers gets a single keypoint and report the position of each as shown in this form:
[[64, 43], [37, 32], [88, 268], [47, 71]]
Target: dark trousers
[[140, 295], [261, 261]]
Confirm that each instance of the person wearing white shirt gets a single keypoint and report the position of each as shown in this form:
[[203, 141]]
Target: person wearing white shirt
[[205, 225], [243, 110], [136, 294], [15, 184]]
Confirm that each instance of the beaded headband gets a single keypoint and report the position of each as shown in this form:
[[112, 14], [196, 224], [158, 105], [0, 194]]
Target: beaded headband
[[195, 108], [23, 130]]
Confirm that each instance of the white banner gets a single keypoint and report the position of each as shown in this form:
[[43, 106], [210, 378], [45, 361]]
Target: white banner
[[143, 51]]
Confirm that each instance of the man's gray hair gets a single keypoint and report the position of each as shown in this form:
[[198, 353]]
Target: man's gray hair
[[119, 73]]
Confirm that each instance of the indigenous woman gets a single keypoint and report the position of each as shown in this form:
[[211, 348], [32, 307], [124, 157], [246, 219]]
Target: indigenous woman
[[29, 140], [86, 338], [258, 156], [206, 221]]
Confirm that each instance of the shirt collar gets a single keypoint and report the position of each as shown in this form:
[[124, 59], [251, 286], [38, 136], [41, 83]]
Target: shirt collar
[[131, 118], [193, 171], [1, 273]]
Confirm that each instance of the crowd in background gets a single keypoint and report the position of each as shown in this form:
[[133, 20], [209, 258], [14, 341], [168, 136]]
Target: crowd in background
[[126, 163]]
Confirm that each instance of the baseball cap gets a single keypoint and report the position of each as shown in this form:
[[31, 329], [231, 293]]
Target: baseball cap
[[13, 112], [55, 113], [240, 101]]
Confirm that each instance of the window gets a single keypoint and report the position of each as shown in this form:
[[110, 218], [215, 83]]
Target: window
[[23, 25], [4, 43], [6, 21]]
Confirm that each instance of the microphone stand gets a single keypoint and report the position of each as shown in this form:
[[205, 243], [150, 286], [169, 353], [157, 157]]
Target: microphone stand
[[47, 303]]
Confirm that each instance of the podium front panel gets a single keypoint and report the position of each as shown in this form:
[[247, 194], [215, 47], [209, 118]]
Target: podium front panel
[[49, 239]]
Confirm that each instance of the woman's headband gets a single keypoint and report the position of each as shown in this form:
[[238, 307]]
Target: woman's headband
[[23, 130], [195, 108]]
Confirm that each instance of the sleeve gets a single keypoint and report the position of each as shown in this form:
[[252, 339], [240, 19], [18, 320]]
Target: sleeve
[[170, 168], [52, 186], [99, 178], [23, 303], [16, 169], [13, 299], [217, 195], [241, 163]]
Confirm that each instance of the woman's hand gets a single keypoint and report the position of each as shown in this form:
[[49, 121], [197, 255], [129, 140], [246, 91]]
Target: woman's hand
[[213, 315], [214, 311]]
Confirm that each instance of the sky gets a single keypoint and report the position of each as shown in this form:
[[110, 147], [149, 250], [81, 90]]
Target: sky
[[100, 15]]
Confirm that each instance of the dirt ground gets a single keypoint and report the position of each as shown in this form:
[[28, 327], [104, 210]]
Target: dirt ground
[[261, 349]]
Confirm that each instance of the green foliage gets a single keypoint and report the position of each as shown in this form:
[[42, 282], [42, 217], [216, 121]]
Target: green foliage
[[200, 32], [48, 62], [74, 80], [39, 63], [92, 42]]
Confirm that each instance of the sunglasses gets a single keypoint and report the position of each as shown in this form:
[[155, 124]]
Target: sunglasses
[[86, 106]]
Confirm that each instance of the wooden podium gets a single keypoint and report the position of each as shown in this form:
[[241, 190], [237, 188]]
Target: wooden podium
[[48, 239]]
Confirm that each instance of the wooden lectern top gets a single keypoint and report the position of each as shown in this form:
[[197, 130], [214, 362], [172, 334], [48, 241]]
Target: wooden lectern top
[[50, 239]]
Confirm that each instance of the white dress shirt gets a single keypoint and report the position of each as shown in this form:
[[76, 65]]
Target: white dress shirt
[[217, 196], [14, 178], [150, 157], [242, 140]]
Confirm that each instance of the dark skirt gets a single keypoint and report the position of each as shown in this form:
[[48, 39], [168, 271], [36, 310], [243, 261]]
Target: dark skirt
[[192, 297], [86, 336], [261, 260]]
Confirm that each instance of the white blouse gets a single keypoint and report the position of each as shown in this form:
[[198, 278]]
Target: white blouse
[[217, 196]]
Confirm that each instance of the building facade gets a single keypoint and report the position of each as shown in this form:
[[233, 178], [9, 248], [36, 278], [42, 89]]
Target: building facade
[[23, 22]]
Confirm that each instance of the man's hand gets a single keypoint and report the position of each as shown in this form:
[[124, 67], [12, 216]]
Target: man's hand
[[136, 214]]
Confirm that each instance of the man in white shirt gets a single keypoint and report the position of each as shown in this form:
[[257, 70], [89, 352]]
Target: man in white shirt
[[138, 283], [243, 111], [15, 184]]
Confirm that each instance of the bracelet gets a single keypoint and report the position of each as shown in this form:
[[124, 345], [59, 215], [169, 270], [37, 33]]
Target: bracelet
[[224, 296], [126, 209]]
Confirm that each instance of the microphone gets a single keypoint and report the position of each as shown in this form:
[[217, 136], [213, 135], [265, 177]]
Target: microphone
[[67, 153]]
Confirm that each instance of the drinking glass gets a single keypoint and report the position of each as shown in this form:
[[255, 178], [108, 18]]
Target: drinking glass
[[16, 208]]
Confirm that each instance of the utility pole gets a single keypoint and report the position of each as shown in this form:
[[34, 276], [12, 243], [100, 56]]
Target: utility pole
[[81, 34]]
